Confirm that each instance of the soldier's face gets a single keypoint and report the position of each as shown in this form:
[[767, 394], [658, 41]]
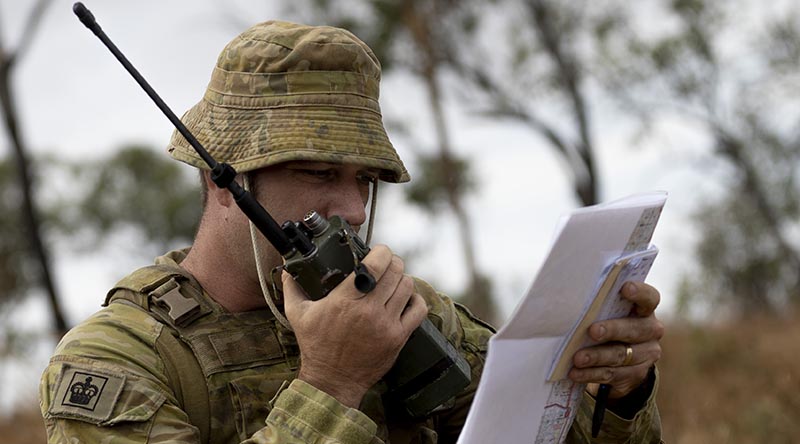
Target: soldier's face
[[289, 190]]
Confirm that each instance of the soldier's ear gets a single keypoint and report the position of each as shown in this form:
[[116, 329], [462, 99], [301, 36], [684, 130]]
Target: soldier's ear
[[216, 195]]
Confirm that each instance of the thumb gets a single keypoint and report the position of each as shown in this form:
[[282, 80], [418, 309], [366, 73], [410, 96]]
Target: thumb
[[293, 293]]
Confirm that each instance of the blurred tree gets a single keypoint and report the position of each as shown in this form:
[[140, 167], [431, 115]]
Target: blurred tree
[[529, 61], [420, 37], [733, 70], [133, 187], [16, 258], [729, 69], [135, 192], [533, 66], [30, 220], [433, 27], [136, 188]]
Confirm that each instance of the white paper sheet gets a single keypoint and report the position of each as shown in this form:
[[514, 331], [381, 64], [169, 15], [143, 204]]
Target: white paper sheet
[[515, 403]]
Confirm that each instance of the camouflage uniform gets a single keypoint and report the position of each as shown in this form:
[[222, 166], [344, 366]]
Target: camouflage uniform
[[246, 362], [164, 362]]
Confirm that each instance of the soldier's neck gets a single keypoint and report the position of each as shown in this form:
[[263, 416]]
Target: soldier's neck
[[222, 279]]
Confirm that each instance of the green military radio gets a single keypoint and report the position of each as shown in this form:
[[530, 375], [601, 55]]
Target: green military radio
[[320, 253], [428, 370]]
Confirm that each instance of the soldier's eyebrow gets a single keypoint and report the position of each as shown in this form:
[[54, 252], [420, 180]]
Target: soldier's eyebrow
[[311, 164]]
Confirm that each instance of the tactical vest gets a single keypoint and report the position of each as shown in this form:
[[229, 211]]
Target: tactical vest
[[226, 368]]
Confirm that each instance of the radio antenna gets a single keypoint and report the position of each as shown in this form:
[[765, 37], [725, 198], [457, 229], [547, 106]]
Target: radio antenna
[[222, 174]]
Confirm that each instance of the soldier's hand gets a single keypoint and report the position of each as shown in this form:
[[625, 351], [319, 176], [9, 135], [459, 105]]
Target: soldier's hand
[[348, 340], [641, 330]]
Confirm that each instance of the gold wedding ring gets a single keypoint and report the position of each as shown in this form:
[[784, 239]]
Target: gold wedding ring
[[628, 355]]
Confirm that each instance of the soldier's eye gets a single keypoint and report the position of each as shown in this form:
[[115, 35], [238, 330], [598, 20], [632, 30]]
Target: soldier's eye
[[367, 178], [317, 174]]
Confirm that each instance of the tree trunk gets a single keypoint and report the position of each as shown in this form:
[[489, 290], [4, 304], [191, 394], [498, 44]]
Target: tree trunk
[[478, 293], [11, 121]]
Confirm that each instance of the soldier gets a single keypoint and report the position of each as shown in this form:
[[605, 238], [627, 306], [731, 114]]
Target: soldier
[[196, 348]]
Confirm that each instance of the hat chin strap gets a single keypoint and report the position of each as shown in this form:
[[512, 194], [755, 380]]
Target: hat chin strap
[[258, 254], [373, 205], [258, 249]]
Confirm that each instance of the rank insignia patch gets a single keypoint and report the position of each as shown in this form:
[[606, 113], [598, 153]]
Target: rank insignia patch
[[86, 393]]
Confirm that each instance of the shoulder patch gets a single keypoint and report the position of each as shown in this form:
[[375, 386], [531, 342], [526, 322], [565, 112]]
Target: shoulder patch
[[87, 394]]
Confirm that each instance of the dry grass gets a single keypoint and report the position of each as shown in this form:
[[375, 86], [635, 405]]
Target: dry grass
[[736, 383], [23, 427]]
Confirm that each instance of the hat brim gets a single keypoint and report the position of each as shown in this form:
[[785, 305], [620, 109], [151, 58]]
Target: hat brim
[[249, 139]]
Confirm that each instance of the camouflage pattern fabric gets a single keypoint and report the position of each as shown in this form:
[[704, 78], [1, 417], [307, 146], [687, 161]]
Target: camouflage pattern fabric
[[281, 92], [109, 380]]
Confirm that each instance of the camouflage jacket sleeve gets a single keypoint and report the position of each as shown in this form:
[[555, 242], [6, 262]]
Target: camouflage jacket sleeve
[[107, 383], [303, 414]]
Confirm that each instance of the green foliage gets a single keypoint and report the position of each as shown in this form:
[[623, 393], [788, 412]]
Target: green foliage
[[437, 179], [16, 266], [137, 188], [748, 263], [424, 38], [782, 45], [743, 268], [377, 22], [666, 53], [390, 27], [737, 81]]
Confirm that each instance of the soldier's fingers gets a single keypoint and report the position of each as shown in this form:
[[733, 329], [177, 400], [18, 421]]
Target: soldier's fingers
[[630, 330], [415, 312], [622, 379], [402, 294], [293, 293], [614, 355], [377, 262], [644, 297], [387, 284], [294, 298]]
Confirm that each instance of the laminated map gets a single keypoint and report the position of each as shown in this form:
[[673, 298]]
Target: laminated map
[[523, 395]]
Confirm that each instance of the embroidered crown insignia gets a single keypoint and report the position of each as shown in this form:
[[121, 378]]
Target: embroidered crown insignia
[[83, 392]]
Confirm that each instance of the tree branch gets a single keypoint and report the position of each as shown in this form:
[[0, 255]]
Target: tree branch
[[29, 31], [569, 77]]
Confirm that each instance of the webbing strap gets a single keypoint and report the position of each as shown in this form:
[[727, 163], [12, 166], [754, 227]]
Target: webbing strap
[[183, 369], [184, 374]]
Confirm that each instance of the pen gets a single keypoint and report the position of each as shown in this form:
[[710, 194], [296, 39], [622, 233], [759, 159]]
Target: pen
[[600, 408]]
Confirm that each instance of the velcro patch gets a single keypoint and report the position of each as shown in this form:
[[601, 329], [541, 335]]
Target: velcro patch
[[86, 393]]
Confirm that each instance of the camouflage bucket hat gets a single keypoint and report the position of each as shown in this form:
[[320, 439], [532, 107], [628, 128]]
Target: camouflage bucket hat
[[282, 92]]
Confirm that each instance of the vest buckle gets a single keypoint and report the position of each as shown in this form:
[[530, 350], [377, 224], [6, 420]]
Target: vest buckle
[[181, 309]]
